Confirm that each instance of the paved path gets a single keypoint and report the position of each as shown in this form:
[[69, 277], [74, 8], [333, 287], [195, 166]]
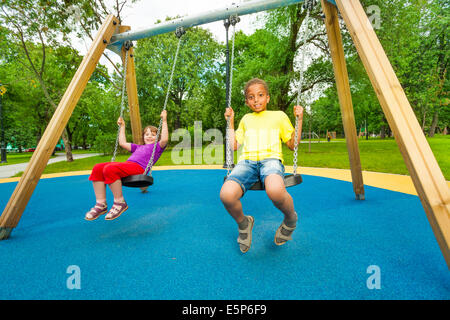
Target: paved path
[[8, 171]]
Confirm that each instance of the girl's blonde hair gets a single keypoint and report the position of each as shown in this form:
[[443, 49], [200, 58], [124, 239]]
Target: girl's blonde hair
[[255, 81], [152, 129]]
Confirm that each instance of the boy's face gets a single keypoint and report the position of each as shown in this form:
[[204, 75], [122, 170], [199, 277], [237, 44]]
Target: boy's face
[[257, 97], [149, 136]]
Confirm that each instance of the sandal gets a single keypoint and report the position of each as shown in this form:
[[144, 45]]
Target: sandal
[[116, 210], [95, 212], [244, 244], [283, 234]]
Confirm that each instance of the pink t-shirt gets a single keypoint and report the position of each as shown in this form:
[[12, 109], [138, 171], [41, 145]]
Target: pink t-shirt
[[141, 154]]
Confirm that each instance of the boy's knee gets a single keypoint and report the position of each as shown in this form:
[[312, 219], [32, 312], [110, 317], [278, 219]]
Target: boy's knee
[[229, 194], [225, 196], [276, 194]]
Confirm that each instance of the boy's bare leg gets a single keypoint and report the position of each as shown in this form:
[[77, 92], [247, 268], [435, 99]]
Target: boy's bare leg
[[276, 191], [100, 191], [230, 195]]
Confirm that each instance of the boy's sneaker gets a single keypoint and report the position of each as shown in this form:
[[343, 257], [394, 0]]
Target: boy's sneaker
[[245, 235]]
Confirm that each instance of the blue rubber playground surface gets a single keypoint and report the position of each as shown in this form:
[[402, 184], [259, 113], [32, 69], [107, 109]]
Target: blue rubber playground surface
[[177, 242]]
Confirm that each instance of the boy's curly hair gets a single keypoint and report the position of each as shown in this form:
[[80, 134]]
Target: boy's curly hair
[[255, 81]]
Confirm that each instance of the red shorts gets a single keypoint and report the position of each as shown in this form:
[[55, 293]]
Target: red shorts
[[112, 171]]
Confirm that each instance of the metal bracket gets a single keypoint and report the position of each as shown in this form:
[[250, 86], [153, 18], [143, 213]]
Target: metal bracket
[[309, 4], [128, 45], [234, 19], [5, 233], [179, 32]]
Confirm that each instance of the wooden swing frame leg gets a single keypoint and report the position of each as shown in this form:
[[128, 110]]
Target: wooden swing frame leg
[[131, 84], [419, 159], [24, 189], [344, 94]]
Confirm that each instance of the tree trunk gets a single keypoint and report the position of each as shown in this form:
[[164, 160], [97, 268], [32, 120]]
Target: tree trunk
[[67, 145], [434, 124], [383, 132], [423, 120]]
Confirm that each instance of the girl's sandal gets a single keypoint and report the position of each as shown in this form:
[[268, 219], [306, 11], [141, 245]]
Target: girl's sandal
[[95, 212], [283, 234], [116, 210], [246, 242]]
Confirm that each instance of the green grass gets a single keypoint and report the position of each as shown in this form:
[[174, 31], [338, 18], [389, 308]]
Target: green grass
[[15, 158], [376, 155]]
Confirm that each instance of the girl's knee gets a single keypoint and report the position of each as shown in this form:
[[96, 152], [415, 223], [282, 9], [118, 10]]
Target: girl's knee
[[98, 167]]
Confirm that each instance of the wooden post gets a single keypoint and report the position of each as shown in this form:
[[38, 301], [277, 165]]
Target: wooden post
[[420, 161], [345, 98], [133, 101], [24, 189]]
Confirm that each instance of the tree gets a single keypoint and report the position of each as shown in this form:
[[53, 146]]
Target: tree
[[196, 65], [45, 25]]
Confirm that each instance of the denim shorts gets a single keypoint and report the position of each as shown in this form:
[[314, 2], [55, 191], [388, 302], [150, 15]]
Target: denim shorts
[[247, 172]]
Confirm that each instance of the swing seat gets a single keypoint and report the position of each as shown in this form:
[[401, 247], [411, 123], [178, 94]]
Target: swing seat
[[290, 180], [137, 181]]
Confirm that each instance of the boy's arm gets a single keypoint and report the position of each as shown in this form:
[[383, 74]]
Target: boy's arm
[[122, 136], [164, 130], [229, 113], [298, 112]]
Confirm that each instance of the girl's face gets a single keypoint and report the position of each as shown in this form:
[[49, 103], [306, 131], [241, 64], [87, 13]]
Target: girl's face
[[149, 136], [257, 97]]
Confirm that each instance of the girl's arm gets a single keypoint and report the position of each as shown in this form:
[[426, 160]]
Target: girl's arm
[[229, 113], [164, 130], [122, 137], [298, 112]]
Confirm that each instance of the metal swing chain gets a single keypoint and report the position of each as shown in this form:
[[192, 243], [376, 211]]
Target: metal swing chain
[[233, 20], [179, 33], [122, 103], [308, 6]]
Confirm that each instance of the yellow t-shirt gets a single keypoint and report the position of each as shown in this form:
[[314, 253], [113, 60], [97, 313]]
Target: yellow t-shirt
[[261, 135]]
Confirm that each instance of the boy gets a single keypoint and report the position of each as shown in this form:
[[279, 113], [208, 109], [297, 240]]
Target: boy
[[260, 133]]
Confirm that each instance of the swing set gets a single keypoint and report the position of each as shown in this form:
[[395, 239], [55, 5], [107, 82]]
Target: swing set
[[426, 175]]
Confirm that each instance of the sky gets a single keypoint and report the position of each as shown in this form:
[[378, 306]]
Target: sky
[[145, 13]]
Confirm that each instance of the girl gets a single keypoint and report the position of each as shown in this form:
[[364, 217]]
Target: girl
[[110, 173]]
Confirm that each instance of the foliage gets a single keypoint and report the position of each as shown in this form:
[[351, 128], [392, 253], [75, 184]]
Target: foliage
[[37, 62]]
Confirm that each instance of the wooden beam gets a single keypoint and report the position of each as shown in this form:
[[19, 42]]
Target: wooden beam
[[344, 94], [420, 161], [24, 189], [133, 101]]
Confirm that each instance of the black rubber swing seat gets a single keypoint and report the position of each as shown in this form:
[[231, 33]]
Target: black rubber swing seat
[[290, 180], [137, 181]]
